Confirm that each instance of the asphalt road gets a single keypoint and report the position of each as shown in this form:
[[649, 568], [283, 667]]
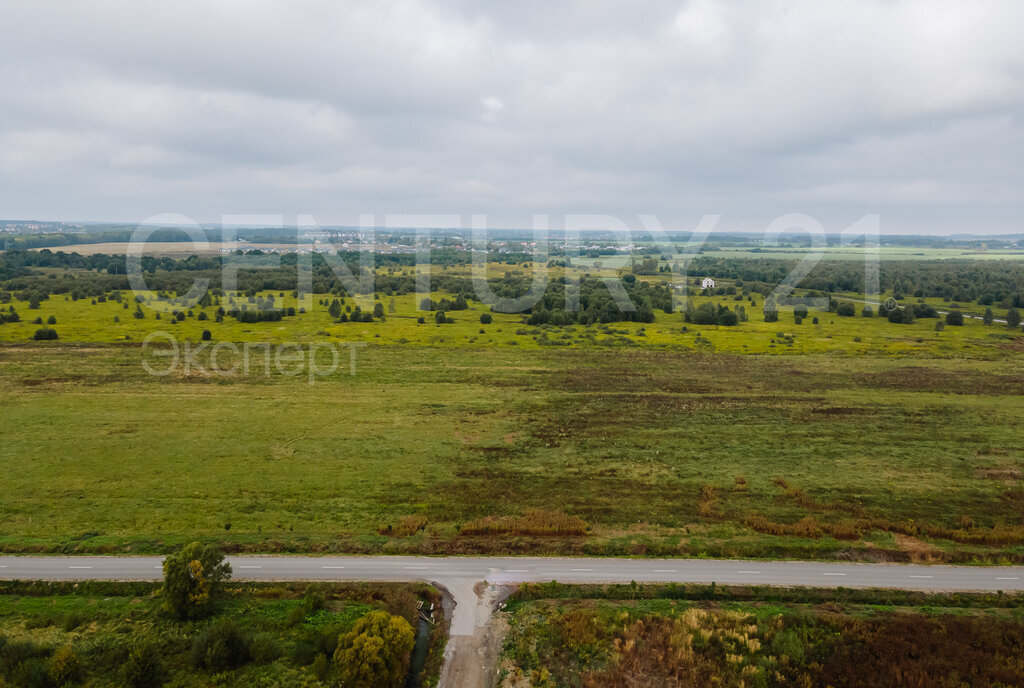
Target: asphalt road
[[498, 570], [470, 660]]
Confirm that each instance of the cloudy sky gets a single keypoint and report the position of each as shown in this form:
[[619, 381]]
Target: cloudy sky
[[912, 109]]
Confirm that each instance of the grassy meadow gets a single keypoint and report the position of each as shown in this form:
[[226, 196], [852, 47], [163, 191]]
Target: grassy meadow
[[516, 449], [113, 322], [848, 437]]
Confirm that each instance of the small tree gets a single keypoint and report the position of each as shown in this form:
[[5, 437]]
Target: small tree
[[728, 318], [378, 310], [207, 336], [771, 310], [375, 652], [192, 579], [486, 319], [846, 309], [989, 316], [954, 318], [1012, 319], [800, 312], [439, 318]]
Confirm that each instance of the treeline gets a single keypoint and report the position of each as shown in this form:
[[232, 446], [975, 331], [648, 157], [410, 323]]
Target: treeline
[[588, 300], [253, 272], [998, 283]]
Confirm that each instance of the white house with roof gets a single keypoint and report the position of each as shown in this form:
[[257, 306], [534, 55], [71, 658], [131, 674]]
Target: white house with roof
[[707, 283]]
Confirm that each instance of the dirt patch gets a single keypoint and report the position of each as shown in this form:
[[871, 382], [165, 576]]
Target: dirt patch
[[1008, 474], [921, 379], [918, 550]]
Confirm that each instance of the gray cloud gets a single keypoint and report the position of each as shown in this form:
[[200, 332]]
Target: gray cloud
[[908, 108]]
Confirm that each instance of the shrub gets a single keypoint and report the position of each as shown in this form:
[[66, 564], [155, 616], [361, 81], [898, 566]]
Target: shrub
[[486, 319], [846, 309], [65, 666], [71, 621], [728, 318], [32, 673], [320, 667], [313, 601], [220, 647], [14, 654], [207, 336], [868, 312], [143, 669], [375, 652], [45, 334], [303, 653], [264, 648], [295, 616]]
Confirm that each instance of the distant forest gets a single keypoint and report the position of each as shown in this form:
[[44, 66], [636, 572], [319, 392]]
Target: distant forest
[[989, 283]]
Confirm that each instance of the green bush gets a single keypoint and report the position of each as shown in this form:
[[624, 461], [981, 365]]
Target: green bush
[[219, 647], [303, 653], [65, 667], [45, 334], [15, 653], [295, 616], [375, 652], [143, 668], [264, 648], [33, 673], [320, 667], [71, 621]]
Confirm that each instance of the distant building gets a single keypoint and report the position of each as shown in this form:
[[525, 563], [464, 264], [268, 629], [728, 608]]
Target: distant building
[[708, 283]]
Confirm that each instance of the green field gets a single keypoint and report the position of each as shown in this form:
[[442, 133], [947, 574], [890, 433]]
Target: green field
[[507, 449], [83, 321]]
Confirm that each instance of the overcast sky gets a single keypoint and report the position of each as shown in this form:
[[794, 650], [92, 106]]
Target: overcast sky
[[911, 109]]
